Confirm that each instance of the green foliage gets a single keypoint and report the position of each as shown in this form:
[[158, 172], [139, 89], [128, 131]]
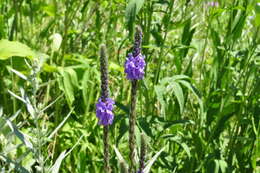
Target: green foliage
[[14, 48], [198, 104]]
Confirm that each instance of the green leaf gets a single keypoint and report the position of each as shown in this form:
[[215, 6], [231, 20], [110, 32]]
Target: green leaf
[[151, 162], [18, 73], [157, 36], [24, 138], [1, 111], [123, 128], [16, 166], [238, 26], [60, 125], [216, 170], [177, 90], [116, 67], [14, 48], [119, 156], [257, 19], [257, 8], [195, 91], [55, 168], [85, 86], [223, 165], [133, 7], [168, 124], [172, 79], [146, 126], [73, 76], [159, 90], [186, 149], [69, 83]]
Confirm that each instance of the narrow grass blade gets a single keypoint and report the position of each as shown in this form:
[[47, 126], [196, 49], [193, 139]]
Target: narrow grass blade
[[19, 134], [151, 162], [60, 125], [119, 156]]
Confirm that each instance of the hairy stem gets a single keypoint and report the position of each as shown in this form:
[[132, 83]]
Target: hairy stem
[[143, 152], [132, 120], [106, 149]]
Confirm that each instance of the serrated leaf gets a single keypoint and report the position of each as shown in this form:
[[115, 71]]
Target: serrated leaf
[[14, 48]]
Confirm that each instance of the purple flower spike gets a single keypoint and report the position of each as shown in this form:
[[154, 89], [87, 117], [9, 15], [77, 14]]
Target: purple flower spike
[[134, 67], [104, 111]]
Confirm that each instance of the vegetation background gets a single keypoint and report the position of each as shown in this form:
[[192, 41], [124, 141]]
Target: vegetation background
[[200, 98]]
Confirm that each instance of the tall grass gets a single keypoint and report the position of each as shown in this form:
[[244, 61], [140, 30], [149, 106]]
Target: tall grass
[[199, 98]]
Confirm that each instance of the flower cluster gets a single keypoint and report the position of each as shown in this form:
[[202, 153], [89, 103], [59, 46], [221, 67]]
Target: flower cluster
[[134, 67], [104, 111]]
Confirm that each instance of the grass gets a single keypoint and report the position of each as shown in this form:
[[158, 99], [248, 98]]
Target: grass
[[199, 99]]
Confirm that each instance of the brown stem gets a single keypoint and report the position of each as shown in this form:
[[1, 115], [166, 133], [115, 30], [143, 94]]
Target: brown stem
[[132, 121], [143, 152], [106, 149]]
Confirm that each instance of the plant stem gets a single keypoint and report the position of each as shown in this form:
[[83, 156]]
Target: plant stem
[[142, 153], [106, 149], [132, 120]]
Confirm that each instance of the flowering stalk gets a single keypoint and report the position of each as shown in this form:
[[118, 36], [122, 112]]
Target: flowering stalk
[[134, 69], [104, 106]]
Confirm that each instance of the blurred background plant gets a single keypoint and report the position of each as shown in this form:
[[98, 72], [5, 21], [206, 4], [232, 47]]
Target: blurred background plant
[[200, 97]]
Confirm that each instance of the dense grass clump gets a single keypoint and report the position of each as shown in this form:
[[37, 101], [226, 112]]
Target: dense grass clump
[[184, 75]]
